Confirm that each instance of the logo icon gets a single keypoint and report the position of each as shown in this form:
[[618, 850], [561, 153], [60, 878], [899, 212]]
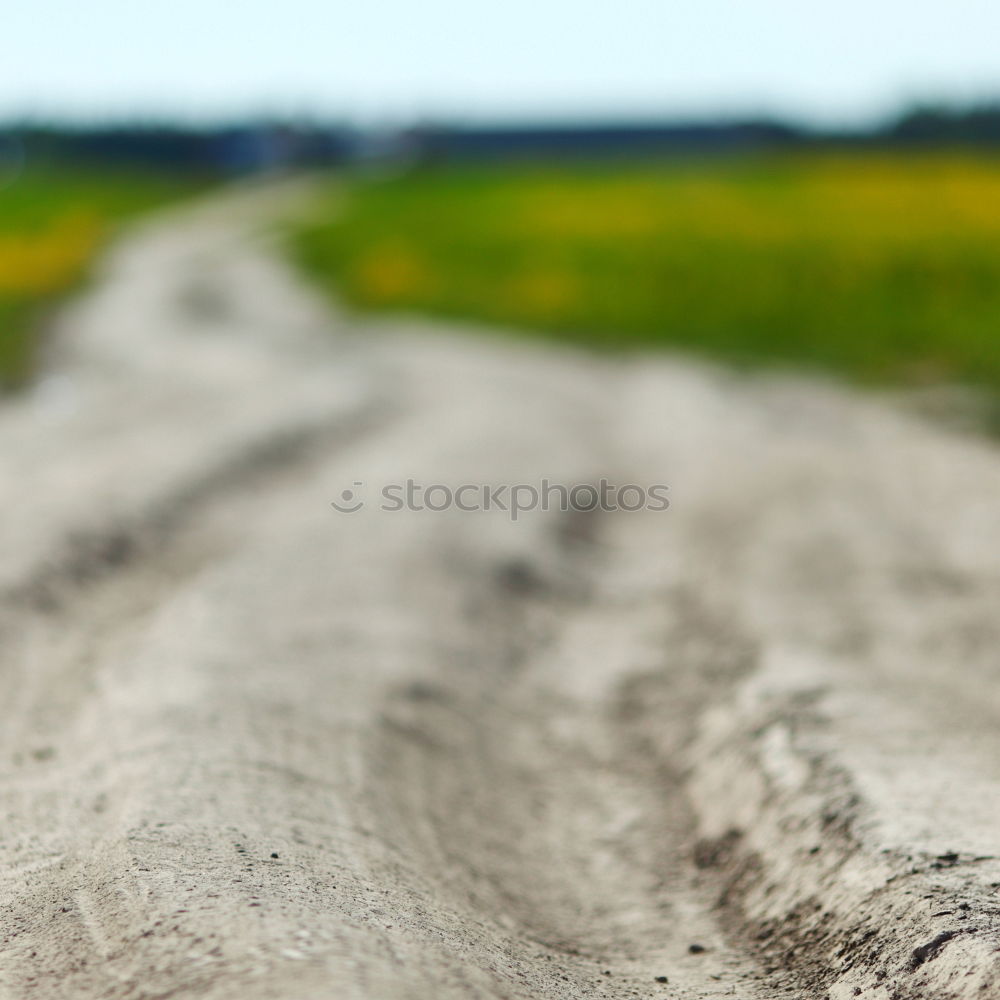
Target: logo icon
[[350, 502]]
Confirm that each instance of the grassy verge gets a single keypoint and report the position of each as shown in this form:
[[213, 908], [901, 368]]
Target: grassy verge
[[51, 226], [881, 266]]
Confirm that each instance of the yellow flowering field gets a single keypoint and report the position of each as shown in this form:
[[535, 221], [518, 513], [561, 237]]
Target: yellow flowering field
[[882, 264], [47, 261], [51, 226]]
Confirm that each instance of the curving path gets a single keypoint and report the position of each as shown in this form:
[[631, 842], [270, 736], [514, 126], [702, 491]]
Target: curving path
[[251, 747]]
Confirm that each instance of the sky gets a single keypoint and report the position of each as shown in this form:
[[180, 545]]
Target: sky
[[392, 61]]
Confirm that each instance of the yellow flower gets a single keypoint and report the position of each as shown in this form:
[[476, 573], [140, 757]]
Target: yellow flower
[[390, 271], [42, 263]]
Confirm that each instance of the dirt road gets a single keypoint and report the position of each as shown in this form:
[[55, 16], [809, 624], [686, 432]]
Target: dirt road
[[253, 747]]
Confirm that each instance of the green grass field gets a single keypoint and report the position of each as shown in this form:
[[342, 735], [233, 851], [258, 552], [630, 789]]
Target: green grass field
[[51, 226], [881, 266]]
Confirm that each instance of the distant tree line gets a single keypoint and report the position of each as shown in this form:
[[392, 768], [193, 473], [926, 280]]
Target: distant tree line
[[978, 125], [259, 146], [235, 149]]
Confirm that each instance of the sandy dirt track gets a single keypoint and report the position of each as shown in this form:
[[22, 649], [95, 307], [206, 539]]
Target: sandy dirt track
[[252, 747]]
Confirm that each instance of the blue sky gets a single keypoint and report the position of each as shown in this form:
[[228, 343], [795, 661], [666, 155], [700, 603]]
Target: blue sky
[[391, 60]]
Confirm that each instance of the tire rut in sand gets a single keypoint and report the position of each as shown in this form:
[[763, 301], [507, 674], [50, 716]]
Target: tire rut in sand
[[544, 815]]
